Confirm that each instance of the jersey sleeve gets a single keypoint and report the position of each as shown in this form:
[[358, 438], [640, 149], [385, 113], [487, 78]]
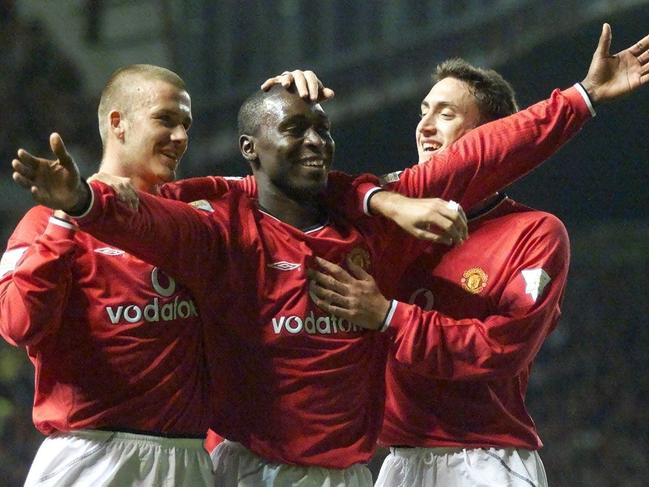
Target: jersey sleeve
[[208, 187], [494, 155], [502, 344], [171, 235], [35, 277]]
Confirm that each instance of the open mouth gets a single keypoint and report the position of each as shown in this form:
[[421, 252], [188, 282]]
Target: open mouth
[[431, 147], [316, 162]]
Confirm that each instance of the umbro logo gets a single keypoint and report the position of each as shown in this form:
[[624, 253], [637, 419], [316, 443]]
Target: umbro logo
[[109, 251], [282, 265]]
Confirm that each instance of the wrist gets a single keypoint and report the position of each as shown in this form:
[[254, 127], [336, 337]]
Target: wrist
[[384, 203], [83, 198], [590, 91]]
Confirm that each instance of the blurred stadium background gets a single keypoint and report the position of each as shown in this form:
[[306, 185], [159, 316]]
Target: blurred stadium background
[[590, 389]]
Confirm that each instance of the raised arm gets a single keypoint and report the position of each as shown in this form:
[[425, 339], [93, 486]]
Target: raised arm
[[442, 347], [495, 154]]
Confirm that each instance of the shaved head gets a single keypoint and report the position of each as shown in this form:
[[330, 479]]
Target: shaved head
[[253, 111], [124, 90]]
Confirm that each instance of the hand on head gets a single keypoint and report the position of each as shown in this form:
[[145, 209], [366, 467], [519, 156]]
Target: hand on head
[[306, 83]]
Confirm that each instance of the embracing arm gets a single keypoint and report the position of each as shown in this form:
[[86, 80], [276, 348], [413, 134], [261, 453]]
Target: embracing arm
[[503, 343], [442, 347], [207, 187]]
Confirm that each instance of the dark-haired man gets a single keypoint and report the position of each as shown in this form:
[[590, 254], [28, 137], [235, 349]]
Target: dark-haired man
[[298, 394], [483, 310]]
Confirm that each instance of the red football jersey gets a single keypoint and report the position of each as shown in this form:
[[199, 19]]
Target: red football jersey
[[481, 312], [114, 341], [289, 382]]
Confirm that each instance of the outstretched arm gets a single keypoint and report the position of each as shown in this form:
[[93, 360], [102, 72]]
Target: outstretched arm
[[159, 229], [613, 76], [494, 155]]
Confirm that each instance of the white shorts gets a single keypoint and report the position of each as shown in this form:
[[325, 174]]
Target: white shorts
[[91, 458], [458, 467], [236, 466]]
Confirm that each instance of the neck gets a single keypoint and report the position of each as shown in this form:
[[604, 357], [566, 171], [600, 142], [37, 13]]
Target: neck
[[114, 167], [297, 213]]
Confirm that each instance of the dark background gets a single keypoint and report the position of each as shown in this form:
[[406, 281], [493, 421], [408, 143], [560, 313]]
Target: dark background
[[590, 389]]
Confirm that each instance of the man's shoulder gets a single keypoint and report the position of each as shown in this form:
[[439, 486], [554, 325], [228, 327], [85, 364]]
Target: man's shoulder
[[532, 221]]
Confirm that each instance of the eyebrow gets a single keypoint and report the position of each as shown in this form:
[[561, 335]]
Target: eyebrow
[[301, 118], [166, 111], [441, 104]]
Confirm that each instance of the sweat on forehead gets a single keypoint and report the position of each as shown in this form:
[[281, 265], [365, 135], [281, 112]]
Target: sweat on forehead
[[261, 105]]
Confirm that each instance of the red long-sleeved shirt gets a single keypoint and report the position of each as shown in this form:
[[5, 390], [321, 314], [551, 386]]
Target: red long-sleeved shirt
[[294, 385]]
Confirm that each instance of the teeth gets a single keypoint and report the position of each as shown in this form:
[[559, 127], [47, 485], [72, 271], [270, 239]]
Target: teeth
[[311, 163], [432, 147]]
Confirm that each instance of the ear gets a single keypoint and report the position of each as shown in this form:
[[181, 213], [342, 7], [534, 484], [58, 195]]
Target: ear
[[247, 147], [117, 124]]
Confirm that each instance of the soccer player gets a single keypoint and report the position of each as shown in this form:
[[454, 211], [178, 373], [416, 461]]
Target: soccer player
[[483, 309], [285, 377], [121, 384]]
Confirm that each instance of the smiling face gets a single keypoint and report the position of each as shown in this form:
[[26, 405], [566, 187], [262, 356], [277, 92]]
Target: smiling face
[[153, 132], [291, 149], [449, 111]]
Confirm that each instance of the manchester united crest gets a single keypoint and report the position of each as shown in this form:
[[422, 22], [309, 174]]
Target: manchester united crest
[[474, 280], [360, 257]]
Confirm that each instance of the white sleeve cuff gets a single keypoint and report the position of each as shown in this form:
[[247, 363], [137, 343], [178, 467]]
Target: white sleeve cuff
[[366, 200], [389, 315], [62, 223], [586, 98], [90, 205]]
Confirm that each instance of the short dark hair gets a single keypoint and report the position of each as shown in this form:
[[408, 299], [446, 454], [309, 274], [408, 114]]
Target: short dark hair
[[495, 96], [252, 111]]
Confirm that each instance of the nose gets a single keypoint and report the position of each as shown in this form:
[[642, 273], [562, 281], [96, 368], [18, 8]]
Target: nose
[[427, 124], [179, 135], [313, 137]]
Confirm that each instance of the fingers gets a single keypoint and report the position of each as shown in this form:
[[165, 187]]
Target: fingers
[[328, 93], [357, 271], [25, 165], [285, 79], [61, 153], [604, 44], [22, 180], [307, 85], [124, 189], [334, 270], [446, 223], [301, 84], [640, 47], [327, 281], [325, 295]]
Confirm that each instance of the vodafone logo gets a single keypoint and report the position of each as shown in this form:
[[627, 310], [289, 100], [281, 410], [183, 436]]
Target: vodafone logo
[[158, 309], [158, 279], [313, 325]]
